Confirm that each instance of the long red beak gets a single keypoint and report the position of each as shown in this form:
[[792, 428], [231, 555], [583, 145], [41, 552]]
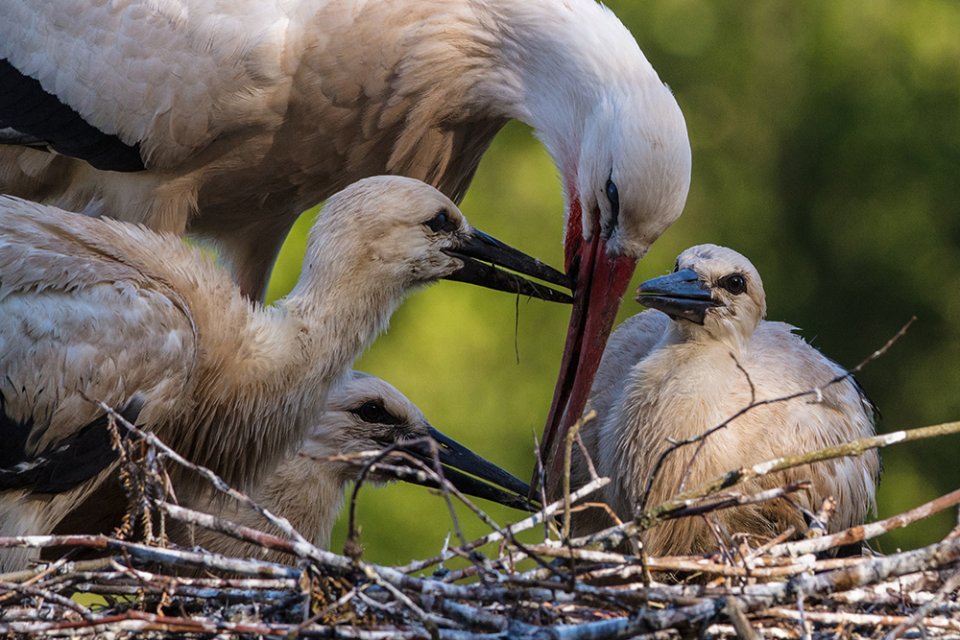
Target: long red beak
[[599, 284]]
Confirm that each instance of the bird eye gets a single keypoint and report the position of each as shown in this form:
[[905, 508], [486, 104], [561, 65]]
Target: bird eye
[[676, 266], [735, 283], [613, 196], [374, 412], [441, 222]]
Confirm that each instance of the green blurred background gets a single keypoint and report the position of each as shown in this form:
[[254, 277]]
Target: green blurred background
[[826, 146]]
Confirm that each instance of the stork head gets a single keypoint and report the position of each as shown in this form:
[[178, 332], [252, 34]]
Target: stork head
[[365, 413], [633, 170], [629, 182], [396, 233], [713, 292]]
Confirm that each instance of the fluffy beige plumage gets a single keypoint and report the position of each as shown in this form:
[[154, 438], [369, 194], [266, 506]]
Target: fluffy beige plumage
[[307, 488], [666, 377], [102, 310]]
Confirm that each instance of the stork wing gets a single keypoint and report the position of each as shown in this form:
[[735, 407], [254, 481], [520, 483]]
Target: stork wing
[[840, 413], [9, 135], [73, 460], [133, 84], [79, 325]]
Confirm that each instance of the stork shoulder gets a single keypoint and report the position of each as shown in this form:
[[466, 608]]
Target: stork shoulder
[[171, 76]]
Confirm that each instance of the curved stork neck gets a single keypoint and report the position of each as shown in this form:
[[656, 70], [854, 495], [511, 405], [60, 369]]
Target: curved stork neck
[[264, 373], [555, 64]]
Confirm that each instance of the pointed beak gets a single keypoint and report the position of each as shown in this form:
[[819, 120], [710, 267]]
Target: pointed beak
[[470, 473], [600, 280], [679, 295], [479, 249]]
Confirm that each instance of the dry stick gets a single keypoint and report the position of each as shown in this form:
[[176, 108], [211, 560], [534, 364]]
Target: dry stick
[[251, 589], [43, 571], [134, 621], [692, 565], [220, 525], [278, 521], [567, 462], [54, 579], [445, 486], [352, 547], [428, 618], [587, 458], [613, 536], [330, 608], [763, 596], [506, 534], [920, 615], [859, 619], [817, 392], [528, 523], [123, 574], [854, 448], [867, 531], [719, 502], [734, 611], [24, 590], [147, 553]]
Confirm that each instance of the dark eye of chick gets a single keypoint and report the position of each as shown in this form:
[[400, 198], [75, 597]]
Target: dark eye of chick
[[441, 222], [374, 412], [734, 283]]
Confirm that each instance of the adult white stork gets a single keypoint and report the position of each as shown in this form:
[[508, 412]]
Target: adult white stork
[[95, 309], [363, 413], [227, 118], [700, 355]]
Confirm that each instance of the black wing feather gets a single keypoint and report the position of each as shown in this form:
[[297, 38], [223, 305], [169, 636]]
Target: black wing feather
[[30, 110], [62, 467]]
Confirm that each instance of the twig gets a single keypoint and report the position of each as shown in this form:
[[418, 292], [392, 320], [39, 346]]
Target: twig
[[567, 462], [920, 616], [527, 523], [867, 531], [853, 448], [279, 522], [153, 554]]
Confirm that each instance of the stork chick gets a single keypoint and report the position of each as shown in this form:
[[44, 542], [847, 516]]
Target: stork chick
[[363, 413], [675, 371], [95, 309]]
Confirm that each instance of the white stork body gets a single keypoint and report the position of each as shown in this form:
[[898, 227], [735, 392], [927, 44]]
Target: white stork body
[[673, 377], [102, 310], [227, 118]]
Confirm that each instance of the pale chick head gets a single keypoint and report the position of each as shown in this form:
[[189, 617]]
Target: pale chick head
[[634, 165], [734, 284], [391, 229], [363, 413]]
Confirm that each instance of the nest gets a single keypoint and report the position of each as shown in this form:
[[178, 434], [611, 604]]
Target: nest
[[560, 587], [557, 588]]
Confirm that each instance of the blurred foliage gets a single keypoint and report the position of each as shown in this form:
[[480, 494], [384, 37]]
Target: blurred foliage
[[826, 140]]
